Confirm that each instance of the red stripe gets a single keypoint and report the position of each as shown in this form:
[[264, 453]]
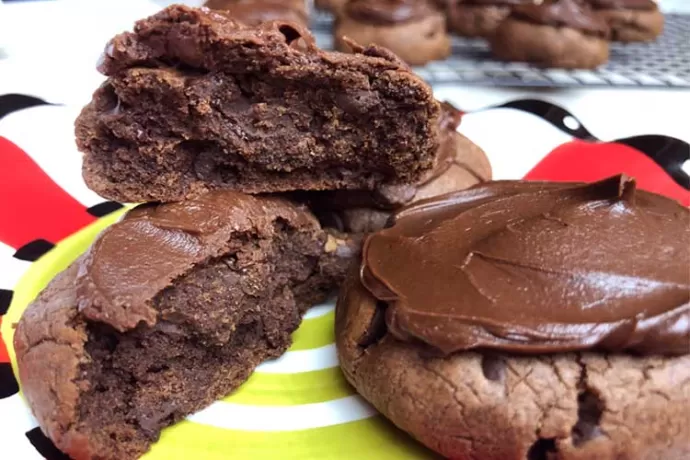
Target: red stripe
[[32, 205], [588, 162], [4, 357]]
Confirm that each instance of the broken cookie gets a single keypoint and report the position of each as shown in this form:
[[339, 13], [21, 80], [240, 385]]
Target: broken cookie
[[195, 101], [169, 310]]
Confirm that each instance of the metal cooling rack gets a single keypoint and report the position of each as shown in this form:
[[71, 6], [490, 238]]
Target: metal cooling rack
[[664, 63]]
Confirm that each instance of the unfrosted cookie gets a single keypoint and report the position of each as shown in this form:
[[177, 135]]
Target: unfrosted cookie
[[195, 101], [512, 321], [415, 30], [554, 33], [169, 310], [630, 20]]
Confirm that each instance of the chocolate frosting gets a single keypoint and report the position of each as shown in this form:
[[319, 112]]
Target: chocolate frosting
[[624, 4], [563, 13], [495, 2], [386, 12], [255, 12], [133, 260], [531, 267]]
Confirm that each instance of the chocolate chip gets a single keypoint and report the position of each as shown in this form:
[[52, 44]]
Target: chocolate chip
[[493, 367], [377, 327], [542, 449], [589, 410]]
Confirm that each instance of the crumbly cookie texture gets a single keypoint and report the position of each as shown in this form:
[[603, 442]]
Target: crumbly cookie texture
[[573, 406], [171, 309], [195, 101]]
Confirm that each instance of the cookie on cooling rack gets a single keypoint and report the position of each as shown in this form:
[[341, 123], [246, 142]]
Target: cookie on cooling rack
[[478, 18], [553, 33], [330, 5], [254, 12], [512, 321], [415, 30], [630, 20]]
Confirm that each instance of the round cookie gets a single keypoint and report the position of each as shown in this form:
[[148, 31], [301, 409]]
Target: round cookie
[[415, 30], [459, 164], [254, 12], [630, 20], [508, 384], [478, 18], [555, 33]]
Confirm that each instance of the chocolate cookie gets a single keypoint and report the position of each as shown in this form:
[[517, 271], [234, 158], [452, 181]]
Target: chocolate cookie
[[478, 18], [512, 321], [254, 12], [330, 5], [170, 309], [195, 101], [413, 29], [460, 164], [554, 33], [630, 20]]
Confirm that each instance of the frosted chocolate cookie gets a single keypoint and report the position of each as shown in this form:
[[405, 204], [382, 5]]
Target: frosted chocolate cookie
[[333, 6], [169, 310], [459, 164], [415, 30], [478, 18], [527, 320], [630, 20], [553, 33], [186, 108], [254, 12]]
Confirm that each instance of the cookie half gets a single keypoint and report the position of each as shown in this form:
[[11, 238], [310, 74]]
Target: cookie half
[[169, 310]]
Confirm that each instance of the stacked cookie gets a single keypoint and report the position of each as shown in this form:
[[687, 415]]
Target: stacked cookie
[[225, 132]]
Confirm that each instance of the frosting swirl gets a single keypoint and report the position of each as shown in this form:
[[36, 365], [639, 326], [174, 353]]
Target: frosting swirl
[[537, 267]]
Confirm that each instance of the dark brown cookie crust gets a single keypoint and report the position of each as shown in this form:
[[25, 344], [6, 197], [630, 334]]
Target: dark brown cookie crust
[[416, 42], [101, 389], [475, 20], [633, 25], [548, 46], [176, 117], [496, 407]]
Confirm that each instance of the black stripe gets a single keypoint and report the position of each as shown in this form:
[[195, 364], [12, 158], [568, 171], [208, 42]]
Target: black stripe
[[103, 209], [551, 113], [5, 300], [34, 250], [14, 102], [668, 152], [8, 384], [45, 446]]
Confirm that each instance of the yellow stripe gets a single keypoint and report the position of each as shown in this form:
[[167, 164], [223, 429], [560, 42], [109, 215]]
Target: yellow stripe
[[314, 333], [372, 438], [292, 389]]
